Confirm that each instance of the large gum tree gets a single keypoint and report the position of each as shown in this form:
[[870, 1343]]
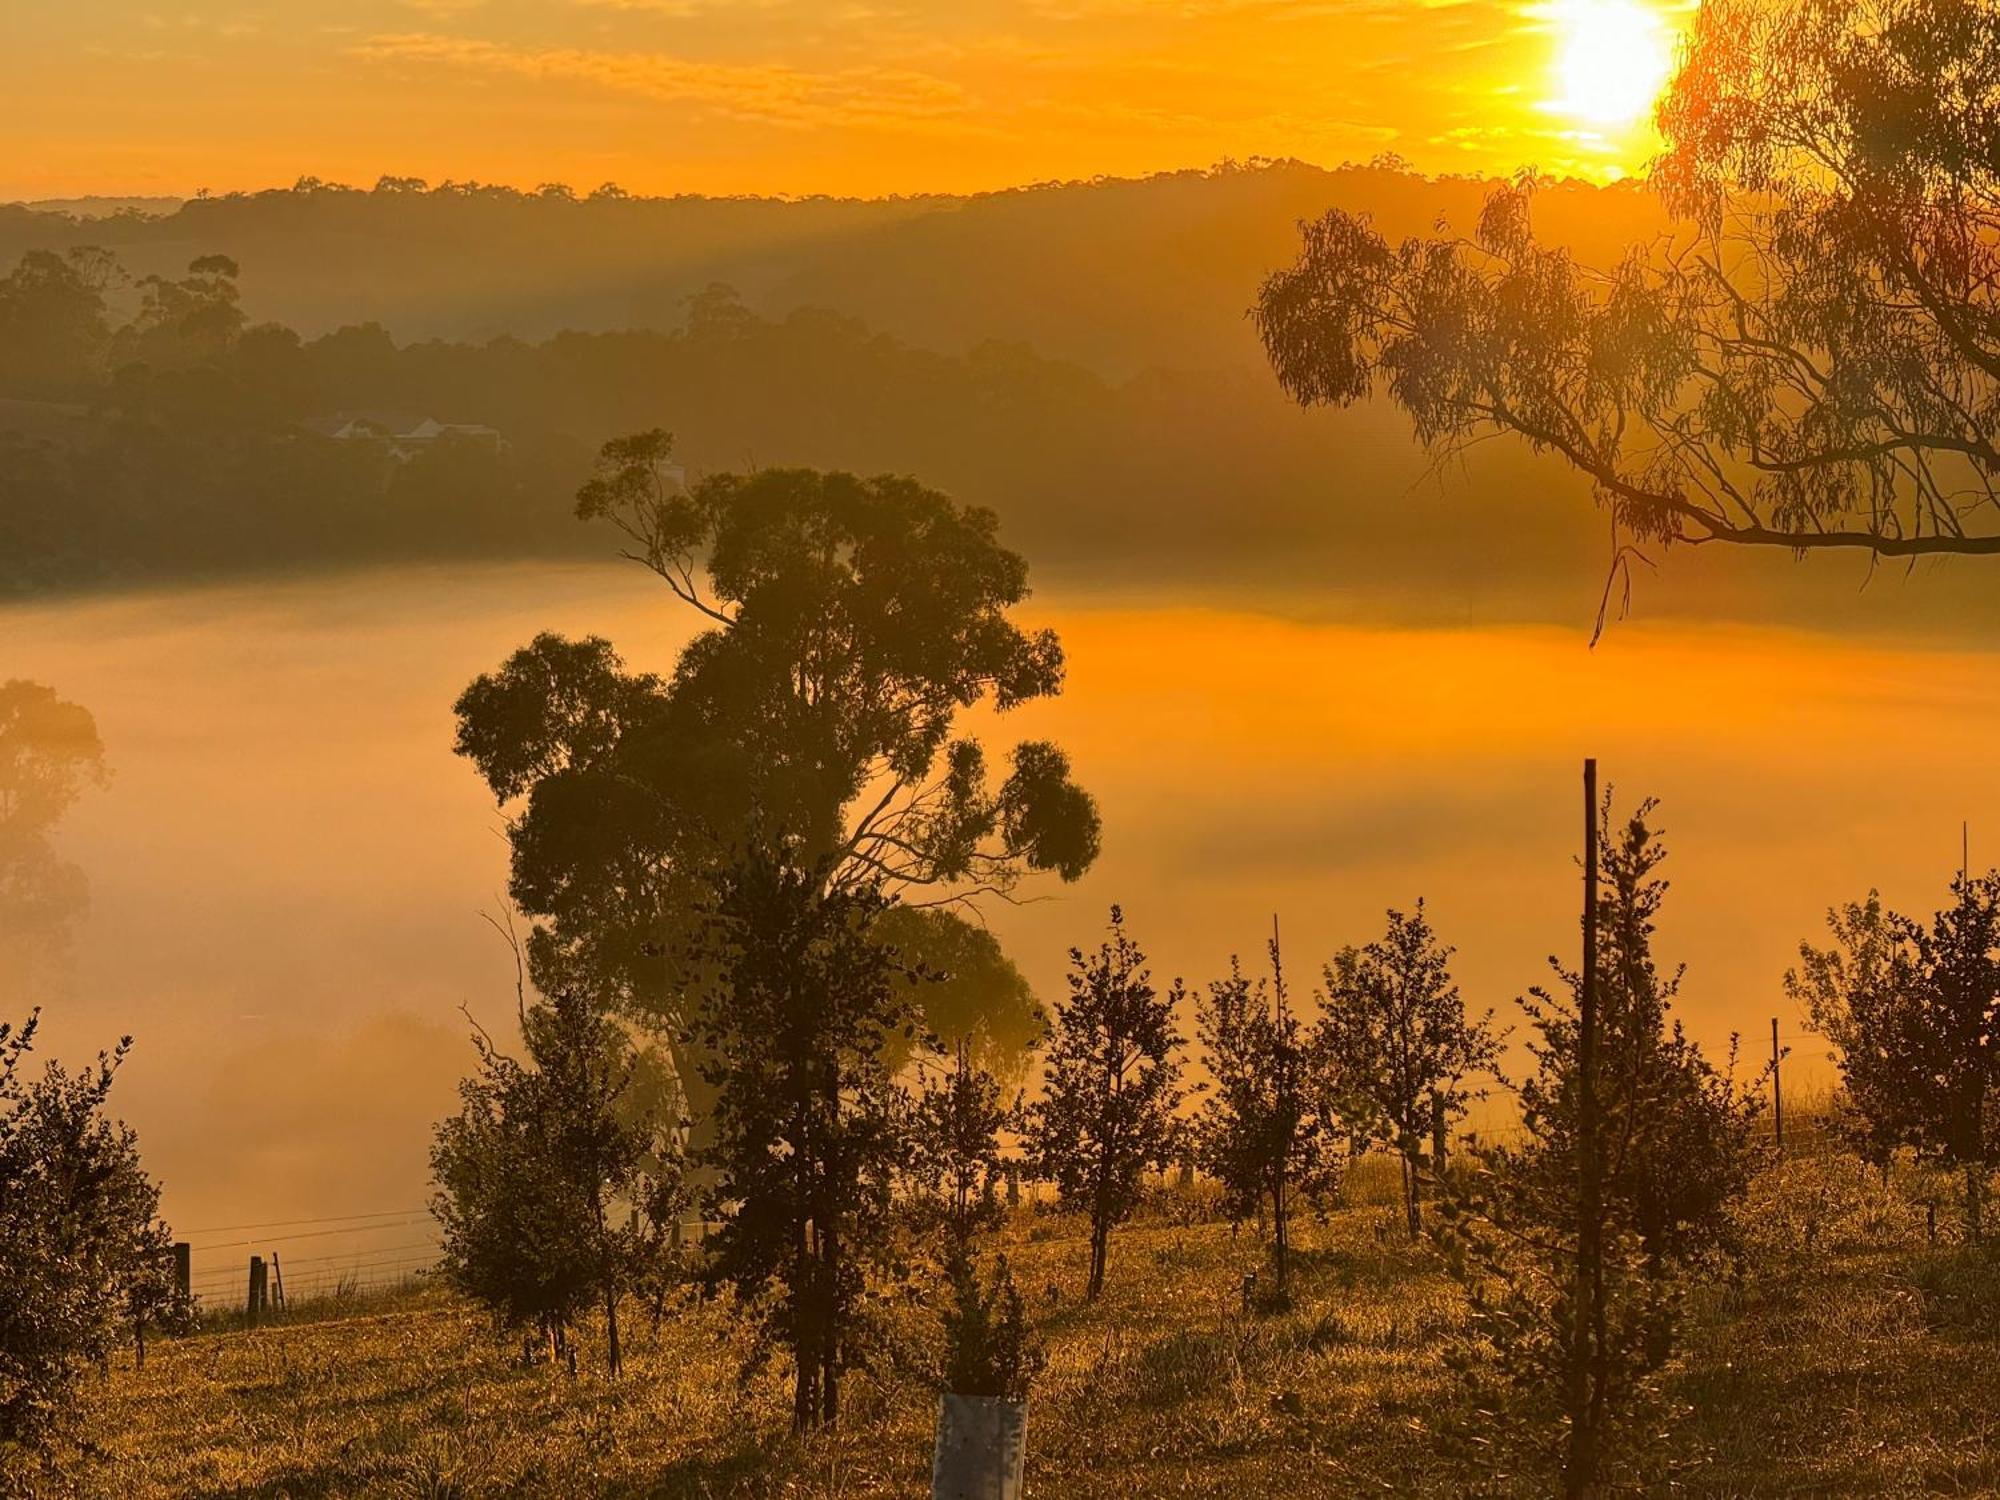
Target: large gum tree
[[847, 627], [1810, 360]]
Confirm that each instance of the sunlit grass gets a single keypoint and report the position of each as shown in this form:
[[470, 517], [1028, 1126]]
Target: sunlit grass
[[1851, 1358]]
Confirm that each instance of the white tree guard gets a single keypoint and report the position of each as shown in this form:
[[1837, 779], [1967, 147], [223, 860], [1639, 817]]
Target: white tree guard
[[982, 1445]]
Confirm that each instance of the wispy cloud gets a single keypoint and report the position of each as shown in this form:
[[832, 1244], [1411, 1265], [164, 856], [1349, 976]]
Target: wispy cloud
[[768, 93]]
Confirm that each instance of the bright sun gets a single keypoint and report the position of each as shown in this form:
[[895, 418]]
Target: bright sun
[[1615, 59]]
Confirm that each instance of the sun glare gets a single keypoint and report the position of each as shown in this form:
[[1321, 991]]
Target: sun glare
[[1615, 58]]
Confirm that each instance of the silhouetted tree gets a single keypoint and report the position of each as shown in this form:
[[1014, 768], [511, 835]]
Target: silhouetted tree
[[1111, 1088], [50, 754], [192, 320], [53, 324], [1913, 1012], [990, 1348], [1396, 1034], [809, 1128], [533, 1170], [1812, 360], [79, 1239], [1672, 1144], [955, 1152], [848, 625], [1269, 1130], [974, 995]]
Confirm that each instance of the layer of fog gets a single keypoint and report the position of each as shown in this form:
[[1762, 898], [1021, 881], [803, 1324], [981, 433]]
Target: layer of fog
[[288, 865]]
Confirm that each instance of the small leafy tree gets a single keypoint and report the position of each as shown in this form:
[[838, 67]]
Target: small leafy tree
[[956, 1159], [989, 1348], [809, 1125], [80, 1238], [531, 1173], [1268, 1131], [1577, 1285], [1913, 1012], [1396, 1033], [1112, 1088]]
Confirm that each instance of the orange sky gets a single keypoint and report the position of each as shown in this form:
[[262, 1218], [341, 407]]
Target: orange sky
[[803, 96]]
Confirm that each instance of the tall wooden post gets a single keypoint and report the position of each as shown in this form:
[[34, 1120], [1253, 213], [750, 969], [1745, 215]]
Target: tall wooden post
[[278, 1274], [1584, 1393], [254, 1305], [1777, 1091], [184, 1269]]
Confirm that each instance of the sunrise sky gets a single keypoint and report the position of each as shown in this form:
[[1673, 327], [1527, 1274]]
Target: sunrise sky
[[861, 97]]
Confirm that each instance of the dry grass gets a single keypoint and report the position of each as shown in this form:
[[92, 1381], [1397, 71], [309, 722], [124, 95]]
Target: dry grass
[[1853, 1359]]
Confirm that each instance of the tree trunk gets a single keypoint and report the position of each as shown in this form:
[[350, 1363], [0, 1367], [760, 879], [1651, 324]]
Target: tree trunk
[[1583, 1385], [1100, 1235], [613, 1358], [830, 1321], [1280, 1234]]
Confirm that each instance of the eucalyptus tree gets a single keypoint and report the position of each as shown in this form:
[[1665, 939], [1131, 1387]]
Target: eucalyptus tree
[[844, 629], [1809, 361]]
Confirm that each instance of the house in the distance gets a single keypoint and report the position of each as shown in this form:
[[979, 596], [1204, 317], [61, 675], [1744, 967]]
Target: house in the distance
[[405, 433]]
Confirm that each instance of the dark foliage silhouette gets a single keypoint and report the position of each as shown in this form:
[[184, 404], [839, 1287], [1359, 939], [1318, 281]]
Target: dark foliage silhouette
[[1396, 1034], [558, 1192], [1270, 1130], [1911, 1010], [81, 1239], [1112, 1085], [1581, 1336], [848, 624], [956, 1159], [809, 1129], [1810, 360]]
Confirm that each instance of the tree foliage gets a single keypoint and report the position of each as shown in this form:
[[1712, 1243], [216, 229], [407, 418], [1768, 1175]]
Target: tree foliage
[[1812, 358], [1913, 1012], [50, 754], [533, 1172], [1270, 1129], [81, 1240], [955, 1159], [1671, 1143], [809, 1127], [848, 625], [990, 1347], [1111, 1088], [1396, 1033]]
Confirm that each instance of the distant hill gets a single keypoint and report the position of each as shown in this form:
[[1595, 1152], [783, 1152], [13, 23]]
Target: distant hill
[[1117, 275], [1076, 356], [101, 208]]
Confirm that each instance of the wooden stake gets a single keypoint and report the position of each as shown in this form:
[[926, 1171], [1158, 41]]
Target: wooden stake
[[1777, 1092], [1587, 1304]]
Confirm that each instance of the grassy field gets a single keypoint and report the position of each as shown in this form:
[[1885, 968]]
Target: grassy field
[[1852, 1357]]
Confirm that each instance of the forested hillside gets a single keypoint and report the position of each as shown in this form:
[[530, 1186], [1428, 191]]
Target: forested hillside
[[1077, 357]]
